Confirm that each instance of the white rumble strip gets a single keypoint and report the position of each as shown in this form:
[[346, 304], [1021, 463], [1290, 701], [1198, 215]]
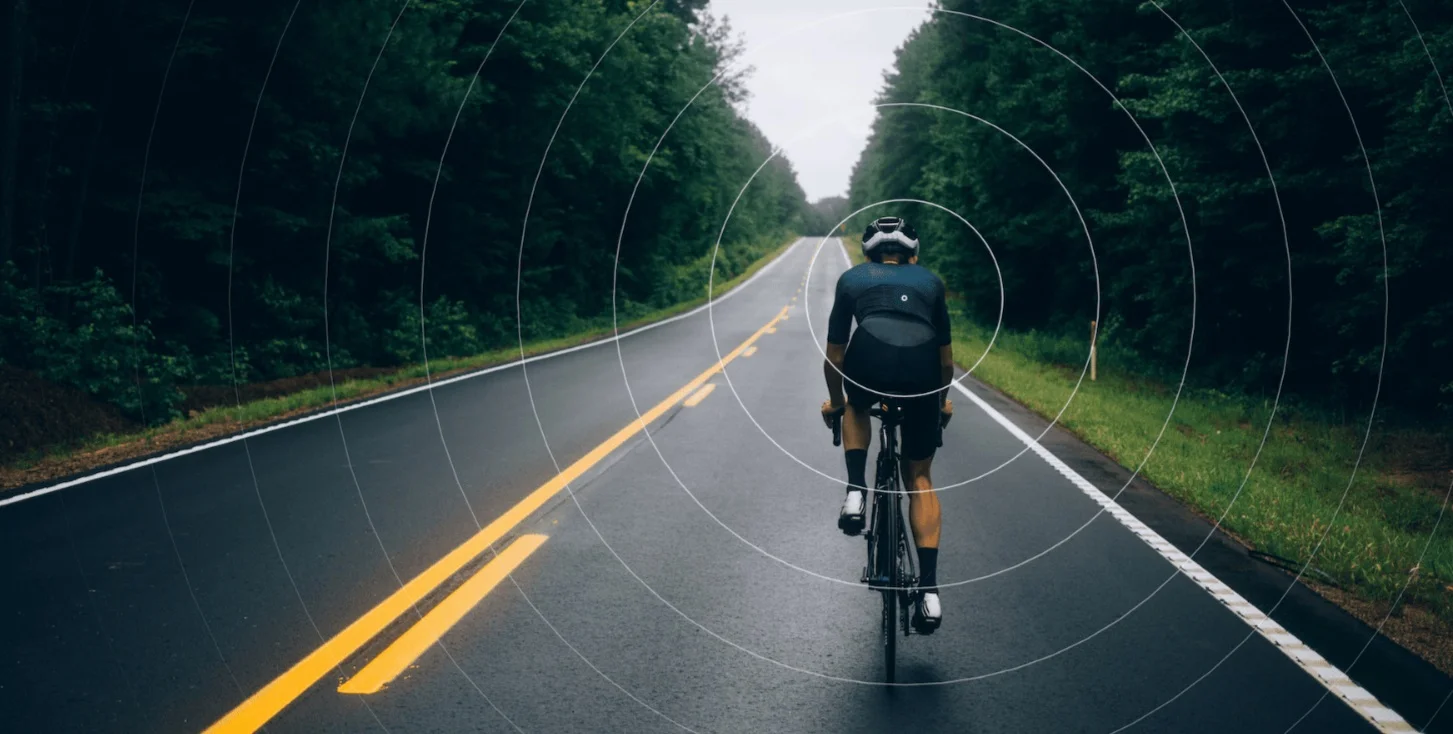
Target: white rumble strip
[[1333, 679], [1364, 703]]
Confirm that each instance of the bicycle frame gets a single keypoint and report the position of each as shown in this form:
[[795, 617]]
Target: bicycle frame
[[887, 500], [892, 568]]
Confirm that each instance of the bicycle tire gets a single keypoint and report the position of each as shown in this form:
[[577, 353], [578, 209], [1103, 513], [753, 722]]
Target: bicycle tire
[[890, 635], [886, 547], [905, 603]]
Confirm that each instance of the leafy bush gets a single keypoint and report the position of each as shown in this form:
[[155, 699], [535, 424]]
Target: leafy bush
[[237, 284], [448, 331], [85, 335]]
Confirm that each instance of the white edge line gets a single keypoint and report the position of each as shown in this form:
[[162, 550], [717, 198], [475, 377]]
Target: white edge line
[[1341, 685], [1364, 703], [394, 395]]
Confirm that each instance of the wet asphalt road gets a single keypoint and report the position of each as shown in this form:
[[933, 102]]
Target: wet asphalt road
[[693, 579]]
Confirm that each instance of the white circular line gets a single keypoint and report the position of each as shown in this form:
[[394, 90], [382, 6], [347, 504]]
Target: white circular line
[[1095, 266], [1175, 195], [327, 344], [519, 328], [1378, 389], [726, 375]]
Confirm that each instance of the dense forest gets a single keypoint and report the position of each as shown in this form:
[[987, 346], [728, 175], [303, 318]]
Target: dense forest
[[1324, 266], [823, 215], [197, 193]]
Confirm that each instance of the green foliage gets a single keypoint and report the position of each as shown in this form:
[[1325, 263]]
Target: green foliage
[[314, 249], [84, 335], [448, 330], [824, 214], [1235, 268]]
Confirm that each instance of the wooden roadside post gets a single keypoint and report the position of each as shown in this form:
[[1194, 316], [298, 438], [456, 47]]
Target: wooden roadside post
[[1092, 351]]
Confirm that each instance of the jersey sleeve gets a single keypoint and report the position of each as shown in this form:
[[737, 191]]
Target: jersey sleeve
[[940, 318], [840, 321]]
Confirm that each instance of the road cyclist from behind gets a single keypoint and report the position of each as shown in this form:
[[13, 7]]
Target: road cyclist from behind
[[901, 347]]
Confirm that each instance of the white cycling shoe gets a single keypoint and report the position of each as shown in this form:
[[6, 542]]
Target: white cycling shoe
[[927, 612], [850, 519]]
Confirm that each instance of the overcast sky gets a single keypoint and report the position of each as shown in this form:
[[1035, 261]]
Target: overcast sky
[[813, 88]]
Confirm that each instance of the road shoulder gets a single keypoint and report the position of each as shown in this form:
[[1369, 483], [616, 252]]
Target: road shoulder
[[64, 468], [1395, 675]]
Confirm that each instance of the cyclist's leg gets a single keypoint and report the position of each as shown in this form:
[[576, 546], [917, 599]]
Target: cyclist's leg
[[859, 365], [923, 510], [920, 441], [857, 435], [863, 366], [857, 428]]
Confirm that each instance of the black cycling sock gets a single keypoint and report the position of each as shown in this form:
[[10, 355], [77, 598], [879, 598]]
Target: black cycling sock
[[928, 569], [857, 468]]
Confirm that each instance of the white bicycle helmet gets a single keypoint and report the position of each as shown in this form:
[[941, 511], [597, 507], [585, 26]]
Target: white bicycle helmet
[[889, 233]]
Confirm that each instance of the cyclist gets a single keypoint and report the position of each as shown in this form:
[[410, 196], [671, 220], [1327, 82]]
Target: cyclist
[[901, 347]]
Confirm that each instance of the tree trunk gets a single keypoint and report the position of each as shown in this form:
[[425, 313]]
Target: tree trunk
[[78, 212], [10, 133], [45, 254], [83, 185]]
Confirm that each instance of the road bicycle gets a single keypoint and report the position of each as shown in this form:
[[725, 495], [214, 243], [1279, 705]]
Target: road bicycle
[[892, 570]]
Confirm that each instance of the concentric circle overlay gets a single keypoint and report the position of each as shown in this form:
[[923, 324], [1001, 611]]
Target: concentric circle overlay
[[748, 413], [734, 533], [1094, 262], [519, 323], [1164, 426]]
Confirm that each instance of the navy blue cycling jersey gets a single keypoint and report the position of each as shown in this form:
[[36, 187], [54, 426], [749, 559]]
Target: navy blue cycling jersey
[[899, 305]]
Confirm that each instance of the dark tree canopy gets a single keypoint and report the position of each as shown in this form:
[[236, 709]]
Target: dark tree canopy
[[204, 163], [825, 214], [1237, 256]]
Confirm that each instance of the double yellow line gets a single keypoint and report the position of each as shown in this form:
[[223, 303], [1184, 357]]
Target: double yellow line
[[262, 706]]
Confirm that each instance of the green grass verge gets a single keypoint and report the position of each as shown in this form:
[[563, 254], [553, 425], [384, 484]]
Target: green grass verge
[[1292, 497], [260, 412], [854, 245]]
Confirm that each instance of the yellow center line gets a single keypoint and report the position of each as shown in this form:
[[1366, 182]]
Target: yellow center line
[[411, 644], [258, 709], [750, 351], [699, 395]]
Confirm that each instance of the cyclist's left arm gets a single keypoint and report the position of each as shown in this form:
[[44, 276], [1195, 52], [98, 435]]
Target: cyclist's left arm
[[945, 347], [839, 327]]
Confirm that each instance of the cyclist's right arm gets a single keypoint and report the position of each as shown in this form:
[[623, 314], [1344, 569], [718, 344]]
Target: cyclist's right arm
[[945, 346]]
